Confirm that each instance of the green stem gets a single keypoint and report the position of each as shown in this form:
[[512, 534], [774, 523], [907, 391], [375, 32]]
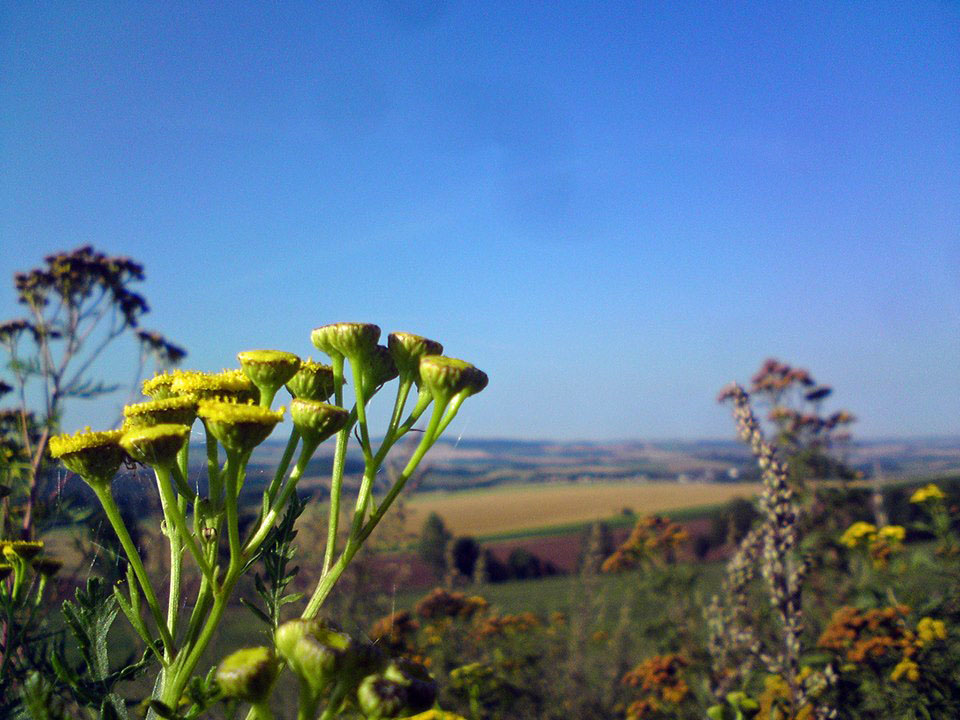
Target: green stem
[[358, 390], [233, 521], [214, 488], [271, 491], [105, 497], [172, 508], [253, 542]]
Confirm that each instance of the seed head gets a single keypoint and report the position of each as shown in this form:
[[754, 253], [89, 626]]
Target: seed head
[[352, 340], [315, 420], [407, 349], [268, 369], [446, 377]]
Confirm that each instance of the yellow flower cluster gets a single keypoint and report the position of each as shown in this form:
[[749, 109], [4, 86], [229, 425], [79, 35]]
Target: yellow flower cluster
[[930, 630], [906, 668], [928, 492], [881, 544], [859, 532]]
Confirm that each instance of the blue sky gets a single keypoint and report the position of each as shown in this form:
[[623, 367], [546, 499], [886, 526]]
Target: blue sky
[[612, 208]]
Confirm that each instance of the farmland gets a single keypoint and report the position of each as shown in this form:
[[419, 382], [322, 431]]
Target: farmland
[[521, 508]]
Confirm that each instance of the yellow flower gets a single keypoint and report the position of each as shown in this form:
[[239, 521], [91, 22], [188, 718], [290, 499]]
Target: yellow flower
[[929, 630], [908, 668], [857, 532], [928, 492], [895, 533]]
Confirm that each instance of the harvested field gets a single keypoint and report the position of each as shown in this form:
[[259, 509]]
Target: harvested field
[[515, 508]]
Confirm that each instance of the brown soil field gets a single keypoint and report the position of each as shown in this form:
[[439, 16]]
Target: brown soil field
[[529, 507]]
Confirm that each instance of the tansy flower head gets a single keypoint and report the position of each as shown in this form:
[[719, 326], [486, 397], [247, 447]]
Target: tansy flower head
[[94, 456], [23, 549], [892, 533], [906, 668], [352, 340], [177, 409], [407, 349], [929, 630], [156, 445], [158, 387], [226, 385], [312, 381], [379, 368], [928, 492], [315, 420], [268, 369], [248, 674], [857, 533], [314, 651], [404, 687], [238, 427], [445, 377]]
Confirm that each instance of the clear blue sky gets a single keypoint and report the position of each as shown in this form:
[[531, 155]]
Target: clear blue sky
[[612, 208]]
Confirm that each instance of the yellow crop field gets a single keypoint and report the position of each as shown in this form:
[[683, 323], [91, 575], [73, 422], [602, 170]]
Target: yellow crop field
[[528, 507]]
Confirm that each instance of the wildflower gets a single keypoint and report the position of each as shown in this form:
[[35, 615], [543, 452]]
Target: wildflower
[[316, 420], [928, 492], [895, 533], [312, 381], [176, 409], [908, 668], [407, 349], [929, 630], [446, 377], [858, 532], [226, 385], [159, 387], [157, 445], [404, 687], [268, 370], [351, 340], [94, 456], [248, 674], [238, 427]]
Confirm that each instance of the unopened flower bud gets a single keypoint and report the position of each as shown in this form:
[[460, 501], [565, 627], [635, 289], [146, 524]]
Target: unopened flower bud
[[404, 688], [312, 381], [379, 368], [407, 349], [446, 377], [248, 674], [317, 421], [23, 549], [94, 456], [156, 445], [352, 340], [176, 410], [268, 369], [239, 428], [313, 650]]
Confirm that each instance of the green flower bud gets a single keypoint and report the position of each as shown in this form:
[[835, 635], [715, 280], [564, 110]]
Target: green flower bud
[[407, 349], [47, 566], [312, 381], [352, 340], [94, 456], [159, 387], [175, 410], [268, 369], [239, 428], [446, 377], [404, 688], [379, 368], [156, 445], [317, 421], [248, 674], [313, 650], [226, 385]]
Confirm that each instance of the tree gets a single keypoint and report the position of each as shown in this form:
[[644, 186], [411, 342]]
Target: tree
[[77, 305], [432, 546]]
